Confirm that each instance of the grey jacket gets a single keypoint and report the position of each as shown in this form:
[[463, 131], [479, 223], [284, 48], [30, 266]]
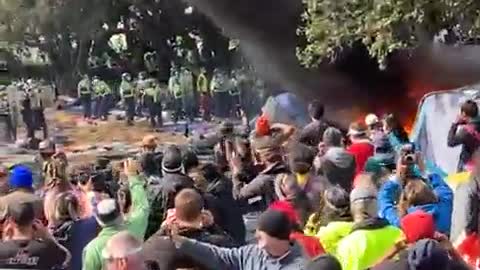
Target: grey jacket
[[244, 258]]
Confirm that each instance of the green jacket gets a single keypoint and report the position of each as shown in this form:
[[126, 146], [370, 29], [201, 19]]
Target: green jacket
[[332, 234], [127, 90], [92, 253], [135, 222], [363, 248], [102, 89], [84, 87], [137, 219]]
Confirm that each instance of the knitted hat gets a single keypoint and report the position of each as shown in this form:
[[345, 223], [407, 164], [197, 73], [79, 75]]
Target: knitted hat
[[107, 211], [172, 160], [287, 209], [21, 177], [427, 254], [262, 126], [276, 224], [332, 137], [418, 225], [324, 262]]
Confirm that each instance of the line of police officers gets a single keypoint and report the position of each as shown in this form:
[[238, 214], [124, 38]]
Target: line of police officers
[[148, 93]]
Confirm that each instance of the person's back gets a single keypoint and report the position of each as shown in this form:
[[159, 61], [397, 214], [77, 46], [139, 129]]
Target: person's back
[[27, 244], [312, 134]]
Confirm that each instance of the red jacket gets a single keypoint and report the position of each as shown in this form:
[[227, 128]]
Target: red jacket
[[361, 150], [310, 244]]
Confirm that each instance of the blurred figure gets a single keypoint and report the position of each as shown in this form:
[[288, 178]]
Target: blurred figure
[[371, 237], [205, 95], [273, 242], [84, 89], [70, 231], [395, 131], [361, 148], [374, 125], [3, 181], [153, 101], [468, 136], [122, 252], [333, 221], [20, 183], [103, 94], [127, 94], [176, 90], [219, 89], [187, 88], [312, 134], [26, 242], [324, 262], [436, 199], [333, 162], [141, 85], [37, 100]]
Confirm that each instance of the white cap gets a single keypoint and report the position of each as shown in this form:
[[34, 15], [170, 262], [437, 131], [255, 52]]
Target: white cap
[[371, 119]]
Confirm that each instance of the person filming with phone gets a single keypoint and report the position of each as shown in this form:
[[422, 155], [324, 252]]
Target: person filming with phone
[[465, 131]]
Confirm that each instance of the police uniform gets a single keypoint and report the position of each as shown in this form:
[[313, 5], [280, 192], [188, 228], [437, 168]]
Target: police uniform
[[219, 89], [154, 104], [177, 93], [186, 85], [36, 102], [141, 85], [127, 92], [85, 93], [102, 98], [204, 90]]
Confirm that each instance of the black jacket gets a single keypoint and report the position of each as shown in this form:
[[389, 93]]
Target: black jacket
[[312, 133], [227, 212], [260, 192], [160, 252], [468, 137]]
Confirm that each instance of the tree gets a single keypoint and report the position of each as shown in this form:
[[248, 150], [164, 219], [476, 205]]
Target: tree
[[383, 26]]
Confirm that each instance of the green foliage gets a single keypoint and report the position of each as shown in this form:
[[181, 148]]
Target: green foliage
[[382, 25]]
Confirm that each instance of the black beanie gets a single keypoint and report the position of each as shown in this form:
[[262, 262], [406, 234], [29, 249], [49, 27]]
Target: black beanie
[[172, 160], [324, 262], [275, 224]]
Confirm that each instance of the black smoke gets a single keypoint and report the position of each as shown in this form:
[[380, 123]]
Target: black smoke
[[267, 32]]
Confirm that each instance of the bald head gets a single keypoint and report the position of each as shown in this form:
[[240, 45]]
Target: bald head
[[122, 245]]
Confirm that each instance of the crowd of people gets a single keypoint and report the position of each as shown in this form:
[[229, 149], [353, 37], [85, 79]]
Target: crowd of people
[[279, 197]]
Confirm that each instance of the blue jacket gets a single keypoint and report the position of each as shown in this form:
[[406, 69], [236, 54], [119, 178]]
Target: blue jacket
[[441, 211]]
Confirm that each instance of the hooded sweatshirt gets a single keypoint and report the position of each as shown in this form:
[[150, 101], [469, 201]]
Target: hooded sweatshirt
[[338, 166], [441, 211]]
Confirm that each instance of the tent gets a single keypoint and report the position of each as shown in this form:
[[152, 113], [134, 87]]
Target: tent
[[286, 108], [437, 111]]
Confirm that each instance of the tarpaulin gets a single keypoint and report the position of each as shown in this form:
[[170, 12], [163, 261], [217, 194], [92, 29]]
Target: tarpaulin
[[437, 111]]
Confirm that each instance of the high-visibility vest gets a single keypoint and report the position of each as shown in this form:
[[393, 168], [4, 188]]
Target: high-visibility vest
[[84, 87], [126, 90], [174, 87], [202, 83]]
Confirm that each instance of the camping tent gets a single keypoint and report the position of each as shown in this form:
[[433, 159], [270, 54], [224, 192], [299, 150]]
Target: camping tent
[[436, 112], [286, 108]]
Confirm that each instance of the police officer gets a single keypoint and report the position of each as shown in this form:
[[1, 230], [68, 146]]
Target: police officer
[[176, 91], [84, 88], [219, 89], [186, 85], [127, 93], [37, 100], [204, 90], [103, 94], [153, 102], [141, 85]]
